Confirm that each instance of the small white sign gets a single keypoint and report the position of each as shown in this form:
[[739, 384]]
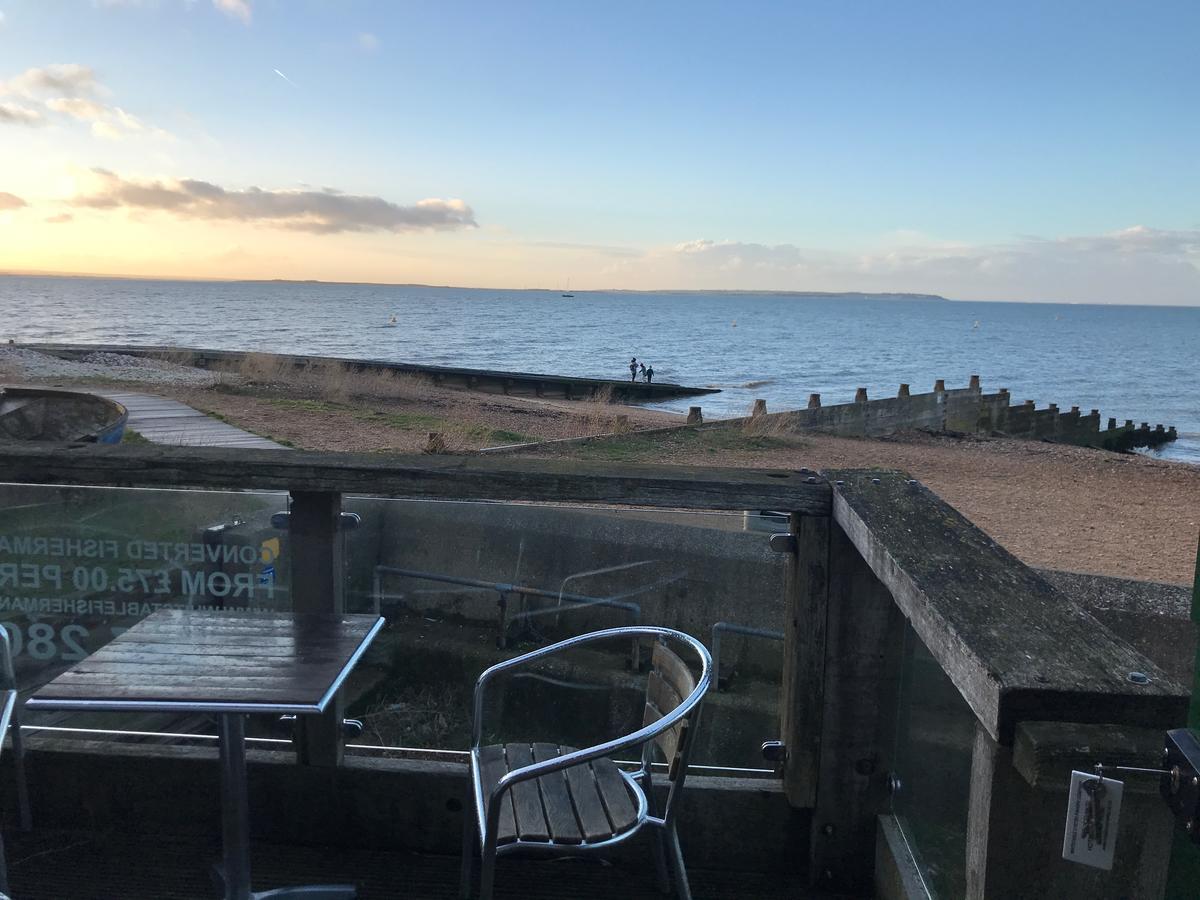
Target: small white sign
[[1093, 807]]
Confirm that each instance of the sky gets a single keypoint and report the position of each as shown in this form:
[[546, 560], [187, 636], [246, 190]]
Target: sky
[[989, 151]]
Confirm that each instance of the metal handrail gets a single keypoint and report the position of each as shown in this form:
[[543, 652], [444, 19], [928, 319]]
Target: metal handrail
[[735, 629]]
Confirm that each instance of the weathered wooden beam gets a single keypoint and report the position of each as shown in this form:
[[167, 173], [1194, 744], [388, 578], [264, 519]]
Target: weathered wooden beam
[[420, 476], [1045, 753], [1014, 834], [863, 624], [317, 586], [806, 598], [1015, 648]]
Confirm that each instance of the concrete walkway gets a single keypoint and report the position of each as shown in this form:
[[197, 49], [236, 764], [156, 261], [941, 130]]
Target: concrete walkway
[[166, 421]]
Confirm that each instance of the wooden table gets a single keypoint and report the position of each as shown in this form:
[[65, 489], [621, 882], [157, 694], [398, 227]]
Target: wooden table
[[230, 664]]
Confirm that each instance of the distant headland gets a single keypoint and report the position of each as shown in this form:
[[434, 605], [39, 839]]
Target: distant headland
[[805, 295]]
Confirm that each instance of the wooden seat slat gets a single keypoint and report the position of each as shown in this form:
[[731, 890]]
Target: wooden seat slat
[[593, 820], [527, 799], [493, 767], [556, 799], [615, 794]]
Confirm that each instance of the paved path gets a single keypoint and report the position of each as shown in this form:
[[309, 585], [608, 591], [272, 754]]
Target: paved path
[[166, 421]]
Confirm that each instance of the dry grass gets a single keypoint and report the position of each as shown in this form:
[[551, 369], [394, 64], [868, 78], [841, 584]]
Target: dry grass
[[176, 356], [772, 425], [333, 381]]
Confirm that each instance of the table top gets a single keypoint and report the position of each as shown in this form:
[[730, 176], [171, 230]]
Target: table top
[[181, 660]]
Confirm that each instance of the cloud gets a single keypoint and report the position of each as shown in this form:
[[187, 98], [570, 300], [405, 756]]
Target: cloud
[[64, 79], [320, 212], [75, 89], [11, 201], [368, 42], [235, 9], [109, 122], [78, 107], [15, 114], [1133, 265], [59, 219]]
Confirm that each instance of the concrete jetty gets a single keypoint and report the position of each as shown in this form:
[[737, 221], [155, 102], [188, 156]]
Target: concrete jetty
[[487, 380]]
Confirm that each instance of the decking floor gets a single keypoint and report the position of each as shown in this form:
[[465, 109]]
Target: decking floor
[[70, 865]]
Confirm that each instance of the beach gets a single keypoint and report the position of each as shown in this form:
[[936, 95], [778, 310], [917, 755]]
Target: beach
[[1052, 505]]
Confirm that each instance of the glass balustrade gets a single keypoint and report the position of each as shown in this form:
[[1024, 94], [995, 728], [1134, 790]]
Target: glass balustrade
[[931, 768]]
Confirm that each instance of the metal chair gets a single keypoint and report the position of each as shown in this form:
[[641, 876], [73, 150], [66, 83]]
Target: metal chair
[[9, 716], [557, 800]]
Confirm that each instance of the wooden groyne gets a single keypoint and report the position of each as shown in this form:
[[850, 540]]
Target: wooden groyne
[[967, 411], [487, 380]]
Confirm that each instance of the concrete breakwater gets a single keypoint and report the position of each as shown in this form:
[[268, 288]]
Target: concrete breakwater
[[527, 384], [966, 411]]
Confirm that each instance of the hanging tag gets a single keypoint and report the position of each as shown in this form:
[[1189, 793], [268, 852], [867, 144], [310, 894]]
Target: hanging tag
[[1093, 808]]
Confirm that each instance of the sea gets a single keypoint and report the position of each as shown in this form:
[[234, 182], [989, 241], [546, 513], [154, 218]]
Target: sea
[[1130, 362]]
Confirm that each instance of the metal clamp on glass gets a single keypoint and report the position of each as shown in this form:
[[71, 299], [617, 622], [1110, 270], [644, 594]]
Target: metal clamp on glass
[[1181, 781]]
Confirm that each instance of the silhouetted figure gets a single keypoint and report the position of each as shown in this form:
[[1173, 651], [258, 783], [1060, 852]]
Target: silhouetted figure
[[649, 374], [633, 372], [642, 370]]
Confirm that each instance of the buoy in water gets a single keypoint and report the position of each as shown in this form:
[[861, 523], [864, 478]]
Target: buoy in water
[[735, 323]]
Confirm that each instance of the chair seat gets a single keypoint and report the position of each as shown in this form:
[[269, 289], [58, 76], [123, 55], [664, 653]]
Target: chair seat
[[581, 805]]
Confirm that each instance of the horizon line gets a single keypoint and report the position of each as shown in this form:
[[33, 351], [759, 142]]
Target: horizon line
[[36, 273]]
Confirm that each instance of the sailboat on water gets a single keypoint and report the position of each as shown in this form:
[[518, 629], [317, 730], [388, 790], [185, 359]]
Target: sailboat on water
[[567, 292]]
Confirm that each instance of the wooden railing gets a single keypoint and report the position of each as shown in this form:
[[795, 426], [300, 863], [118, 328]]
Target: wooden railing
[[869, 550]]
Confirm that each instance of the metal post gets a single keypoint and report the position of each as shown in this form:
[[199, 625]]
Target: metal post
[[318, 582], [235, 820]]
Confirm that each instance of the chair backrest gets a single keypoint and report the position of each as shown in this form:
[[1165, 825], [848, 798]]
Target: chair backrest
[[669, 683]]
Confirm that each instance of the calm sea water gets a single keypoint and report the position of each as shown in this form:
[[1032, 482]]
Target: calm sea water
[[1131, 362]]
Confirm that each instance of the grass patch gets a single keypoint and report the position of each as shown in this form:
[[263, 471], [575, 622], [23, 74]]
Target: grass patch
[[647, 448], [500, 436], [403, 421], [134, 437], [302, 405]]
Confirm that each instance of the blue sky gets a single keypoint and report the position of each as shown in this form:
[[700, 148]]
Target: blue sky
[[1043, 151]]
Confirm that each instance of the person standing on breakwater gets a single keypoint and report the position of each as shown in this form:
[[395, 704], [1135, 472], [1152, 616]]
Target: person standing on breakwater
[[633, 369], [649, 374], [642, 370]]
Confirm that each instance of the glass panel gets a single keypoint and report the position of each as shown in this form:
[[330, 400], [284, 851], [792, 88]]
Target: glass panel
[[78, 566], [465, 585], [935, 733]]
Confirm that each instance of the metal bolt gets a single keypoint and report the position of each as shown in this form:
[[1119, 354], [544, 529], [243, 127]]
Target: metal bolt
[[1195, 781], [1190, 826], [1139, 678], [828, 828]]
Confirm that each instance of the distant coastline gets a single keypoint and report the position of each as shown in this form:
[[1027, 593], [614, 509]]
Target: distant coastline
[[822, 295]]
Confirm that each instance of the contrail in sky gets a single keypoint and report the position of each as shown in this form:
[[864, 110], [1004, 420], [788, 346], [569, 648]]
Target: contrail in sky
[[285, 78]]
